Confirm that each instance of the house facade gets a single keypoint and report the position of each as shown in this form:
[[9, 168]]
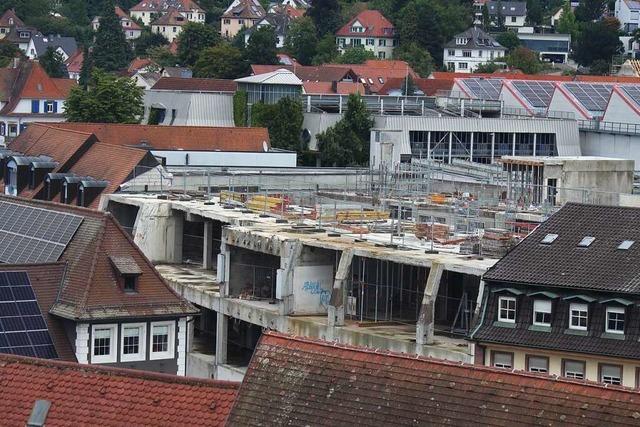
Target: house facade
[[278, 21], [149, 10], [467, 50], [131, 28], [628, 13], [8, 21], [509, 13], [565, 300], [370, 30], [240, 14], [169, 24], [38, 45]]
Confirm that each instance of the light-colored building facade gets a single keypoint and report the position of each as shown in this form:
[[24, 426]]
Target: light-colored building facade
[[240, 14], [467, 50], [370, 30], [131, 28], [169, 25], [149, 10], [628, 13]]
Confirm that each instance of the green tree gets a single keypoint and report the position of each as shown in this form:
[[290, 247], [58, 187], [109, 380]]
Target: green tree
[[147, 40], [301, 40], [75, 11], [108, 99], [162, 56], [509, 40], [221, 62], [524, 59], [590, 10], [261, 48], [193, 39], [535, 12], [499, 24], [347, 142], [487, 68], [597, 40], [567, 23], [87, 68], [486, 18], [27, 9], [8, 51], [326, 50], [111, 51], [600, 67], [419, 58], [355, 55], [325, 15], [283, 120], [53, 63]]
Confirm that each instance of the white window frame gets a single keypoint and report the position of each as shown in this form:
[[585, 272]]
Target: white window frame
[[574, 374], [112, 357], [142, 340], [515, 308], [575, 306], [617, 310], [541, 306], [611, 379], [170, 353], [460, 66], [502, 365], [536, 368]]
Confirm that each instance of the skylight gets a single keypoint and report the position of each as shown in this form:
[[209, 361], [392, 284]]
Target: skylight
[[549, 238], [626, 244], [586, 241]]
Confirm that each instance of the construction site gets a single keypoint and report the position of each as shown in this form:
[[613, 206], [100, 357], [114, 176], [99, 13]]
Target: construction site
[[390, 259]]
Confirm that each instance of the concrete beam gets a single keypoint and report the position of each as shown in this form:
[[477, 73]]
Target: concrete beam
[[290, 258], [335, 311], [426, 318], [207, 246], [222, 330]]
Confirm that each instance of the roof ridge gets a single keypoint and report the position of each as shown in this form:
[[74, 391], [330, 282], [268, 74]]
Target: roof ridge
[[406, 356], [51, 126], [35, 264], [46, 204], [109, 370]]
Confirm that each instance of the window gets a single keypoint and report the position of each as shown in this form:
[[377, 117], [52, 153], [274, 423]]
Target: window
[[382, 42], [586, 241], [462, 65], [466, 53], [452, 52], [370, 42], [162, 340], [626, 244], [611, 374], [48, 107], [479, 54], [451, 66], [130, 283], [382, 55], [133, 342], [578, 314], [502, 360], [542, 312], [615, 320], [241, 21], [103, 343], [227, 21], [538, 364], [513, 19], [507, 309], [573, 369], [174, 29], [549, 239]]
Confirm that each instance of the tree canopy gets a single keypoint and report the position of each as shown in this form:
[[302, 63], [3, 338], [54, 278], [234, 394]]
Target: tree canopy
[[147, 40], [355, 55], [283, 120], [508, 39], [107, 99], [419, 59], [325, 15], [111, 51], [261, 48], [524, 59], [223, 61], [8, 51], [302, 40], [590, 10], [193, 39], [597, 41], [53, 63]]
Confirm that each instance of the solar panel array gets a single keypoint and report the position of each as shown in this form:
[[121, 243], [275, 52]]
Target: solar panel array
[[632, 92], [23, 330], [488, 89], [593, 96], [537, 93], [34, 235]]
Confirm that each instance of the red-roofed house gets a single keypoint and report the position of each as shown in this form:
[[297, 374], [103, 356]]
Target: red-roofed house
[[9, 20], [130, 27], [371, 30], [74, 64], [29, 95], [147, 10], [91, 395]]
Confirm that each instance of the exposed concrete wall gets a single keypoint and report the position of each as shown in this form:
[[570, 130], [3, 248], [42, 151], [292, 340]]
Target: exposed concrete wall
[[158, 232], [611, 145], [201, 365]]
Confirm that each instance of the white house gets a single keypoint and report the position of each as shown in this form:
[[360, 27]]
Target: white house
[[170, 24], [280, 23], [65, 46], [131, 28], [628, 13], [512, 13], [148, 10], [371, 30], [471, 48]]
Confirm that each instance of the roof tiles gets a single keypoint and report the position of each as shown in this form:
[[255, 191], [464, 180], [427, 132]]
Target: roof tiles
[[195, 85], [374, 23]]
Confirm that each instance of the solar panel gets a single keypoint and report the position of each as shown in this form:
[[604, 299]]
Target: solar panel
[[537, 94], [23, 330], [488, 89], [632, 92], [31, 235], [593, 96]]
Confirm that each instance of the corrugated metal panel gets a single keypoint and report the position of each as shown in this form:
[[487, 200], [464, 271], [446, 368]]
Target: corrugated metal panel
[[207, 109]]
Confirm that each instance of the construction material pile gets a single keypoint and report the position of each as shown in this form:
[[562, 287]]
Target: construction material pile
[[496, 242]]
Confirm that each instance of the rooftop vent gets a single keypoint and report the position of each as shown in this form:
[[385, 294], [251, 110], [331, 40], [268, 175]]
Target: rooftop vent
[[586, 241], [549, 239], [626, 244]]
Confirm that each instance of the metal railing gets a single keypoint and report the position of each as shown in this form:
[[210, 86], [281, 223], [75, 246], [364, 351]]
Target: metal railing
[[609, 127], [376, 104]]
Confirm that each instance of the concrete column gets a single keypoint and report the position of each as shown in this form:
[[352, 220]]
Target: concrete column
[[513, 145], [534, 143], [158, 232], [428, 145], [426, 318], [284, 286], [336, 310], [222, 329], [493, 147], [450, 145], [471, 149], [207, 246]]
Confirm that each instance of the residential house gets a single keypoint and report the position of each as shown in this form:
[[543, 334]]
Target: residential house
[[21, 36], [296, 4], [240, 14], [628, 13], [177, 72], [146, 79], [53, 393], [74, 64], [366, 386], [278, 21], [551, 47], [511, 13], [149, 10], [8, 21], [471, 48], [132, 30], [564, 302], [65, 46], [30, 95], [371, 30], [103, 300], [169, 24]]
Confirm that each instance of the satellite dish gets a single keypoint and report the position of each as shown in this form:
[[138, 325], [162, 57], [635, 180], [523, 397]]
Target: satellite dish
[[265, 146]]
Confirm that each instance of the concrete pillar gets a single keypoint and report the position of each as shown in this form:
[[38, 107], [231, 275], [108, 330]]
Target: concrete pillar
[[471, 149], [207, 246], [336, 310], [450, 145], [428, 145], [158, 232], [426, 319], [493, 147], [284, 282], [222, 330], [513, 145], [534, 143]]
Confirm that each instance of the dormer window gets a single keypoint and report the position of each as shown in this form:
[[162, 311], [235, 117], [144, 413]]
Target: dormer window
[[615, 320], [507, 309], [578, 316], [127, 271], [542, 312], [461, 41]]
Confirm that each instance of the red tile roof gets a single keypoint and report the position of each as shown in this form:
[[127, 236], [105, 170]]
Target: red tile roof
[[607, 79], [161, 5], [300, 381], [74, 62], [340, 88], [311, 73], [429, 87], [92, 395], [171, 17], [10, 19], [513, 76], [133, 25], [376, 25], [46, 280], [138, 64], [195, 85], [175, 137]]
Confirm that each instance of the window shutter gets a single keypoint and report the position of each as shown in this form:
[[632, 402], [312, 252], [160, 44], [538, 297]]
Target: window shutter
[[35, 106], [55, 106]]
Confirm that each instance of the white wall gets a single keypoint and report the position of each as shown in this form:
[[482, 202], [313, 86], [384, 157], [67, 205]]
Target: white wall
[[560, 102], [226, 158], [478, 56], [619, 111], [312, 286]]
